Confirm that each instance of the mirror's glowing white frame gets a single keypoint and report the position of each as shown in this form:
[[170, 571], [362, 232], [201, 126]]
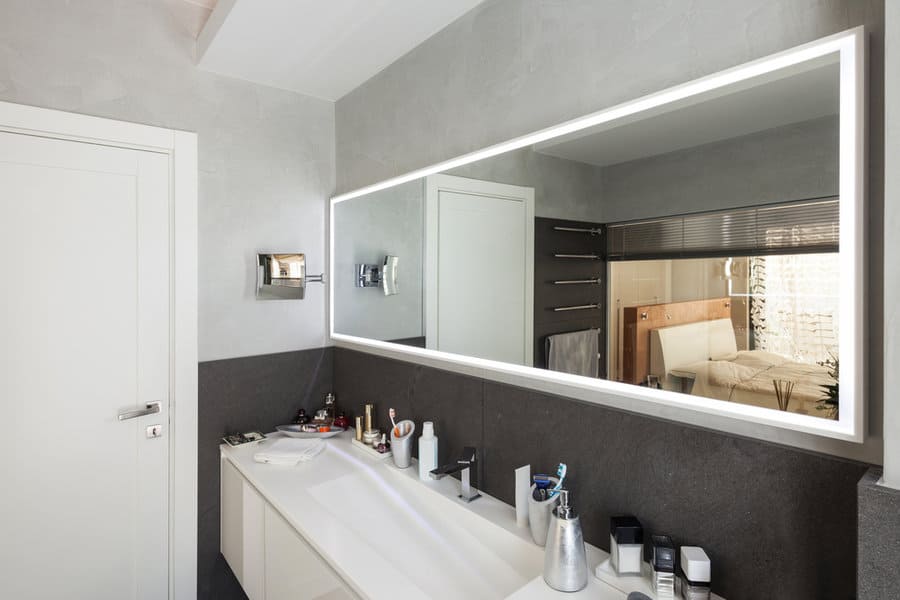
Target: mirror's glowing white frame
[[851, 48]]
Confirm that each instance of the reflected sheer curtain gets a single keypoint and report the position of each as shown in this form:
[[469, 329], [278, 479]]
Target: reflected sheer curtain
[[794, 305]]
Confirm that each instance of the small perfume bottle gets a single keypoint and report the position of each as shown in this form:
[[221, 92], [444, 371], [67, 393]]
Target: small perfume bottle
[[662, 563], [302, 418], [370, 409], [695, 573], [330, 406], [383, 445], [370, 434]]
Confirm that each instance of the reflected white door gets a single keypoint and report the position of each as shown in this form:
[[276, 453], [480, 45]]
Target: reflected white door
[[479, 270], [84, 328]]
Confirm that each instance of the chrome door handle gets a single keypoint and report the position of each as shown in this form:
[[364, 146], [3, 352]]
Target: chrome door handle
[[152, 408]]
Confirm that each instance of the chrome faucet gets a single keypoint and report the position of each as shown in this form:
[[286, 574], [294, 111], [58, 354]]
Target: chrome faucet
[[468, 471]]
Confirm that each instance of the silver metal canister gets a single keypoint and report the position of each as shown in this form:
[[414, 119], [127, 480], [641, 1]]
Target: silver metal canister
[[401, 446], [539, 514], [565, 562]]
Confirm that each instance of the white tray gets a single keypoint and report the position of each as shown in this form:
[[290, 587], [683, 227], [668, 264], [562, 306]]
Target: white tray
[[370, 450], [294, 431]]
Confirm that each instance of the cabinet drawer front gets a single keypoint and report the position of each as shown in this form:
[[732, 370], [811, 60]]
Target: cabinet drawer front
[[293, 569]]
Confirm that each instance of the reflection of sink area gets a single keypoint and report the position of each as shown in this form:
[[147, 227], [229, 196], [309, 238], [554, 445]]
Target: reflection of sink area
[[442, 547]]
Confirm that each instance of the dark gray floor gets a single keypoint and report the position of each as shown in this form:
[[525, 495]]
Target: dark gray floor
[[223, 585]]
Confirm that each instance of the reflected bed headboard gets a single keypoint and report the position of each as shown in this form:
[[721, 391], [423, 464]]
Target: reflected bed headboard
[[680, 345], [639, 321]]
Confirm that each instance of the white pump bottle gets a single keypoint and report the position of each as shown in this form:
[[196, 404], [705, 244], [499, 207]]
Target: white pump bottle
[[428, 451]]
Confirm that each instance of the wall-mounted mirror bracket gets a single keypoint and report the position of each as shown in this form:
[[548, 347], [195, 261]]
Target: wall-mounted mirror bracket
[[282, 276], [383, 276]]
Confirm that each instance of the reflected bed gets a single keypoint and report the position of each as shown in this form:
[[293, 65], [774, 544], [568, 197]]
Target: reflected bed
[[702, 358]]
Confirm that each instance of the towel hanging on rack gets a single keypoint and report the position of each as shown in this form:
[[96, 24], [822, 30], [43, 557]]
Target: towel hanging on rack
[[576, 352]]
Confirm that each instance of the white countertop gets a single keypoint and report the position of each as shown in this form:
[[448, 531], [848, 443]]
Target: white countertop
[[391, 536]]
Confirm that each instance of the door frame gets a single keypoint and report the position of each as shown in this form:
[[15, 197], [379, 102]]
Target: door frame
[[434, 185], [181, 148]]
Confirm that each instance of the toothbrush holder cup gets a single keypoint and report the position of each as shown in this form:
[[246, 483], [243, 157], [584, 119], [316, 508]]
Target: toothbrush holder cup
[[539, 515], [401, 445]]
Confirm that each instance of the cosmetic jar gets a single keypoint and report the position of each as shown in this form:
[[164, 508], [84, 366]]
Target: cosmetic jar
[[626, 545]]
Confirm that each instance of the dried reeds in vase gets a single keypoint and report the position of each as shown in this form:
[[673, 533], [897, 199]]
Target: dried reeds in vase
[[783, 391]]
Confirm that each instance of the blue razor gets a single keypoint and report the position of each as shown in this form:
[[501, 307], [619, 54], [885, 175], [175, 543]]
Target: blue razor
[[542, 481]]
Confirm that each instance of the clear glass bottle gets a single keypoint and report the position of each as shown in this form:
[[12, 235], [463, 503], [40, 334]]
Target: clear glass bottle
[[662, 565]]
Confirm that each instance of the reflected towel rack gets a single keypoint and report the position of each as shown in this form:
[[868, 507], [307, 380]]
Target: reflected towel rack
[[595, 281], [578, 307], [593, 231], [587, 256]]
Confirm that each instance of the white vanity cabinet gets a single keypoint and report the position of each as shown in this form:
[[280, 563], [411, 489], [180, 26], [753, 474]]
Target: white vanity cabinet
[[267, 555], [243, 530], [293, 569]]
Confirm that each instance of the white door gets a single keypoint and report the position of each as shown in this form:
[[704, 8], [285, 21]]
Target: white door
[[84, 324], [479, 269]]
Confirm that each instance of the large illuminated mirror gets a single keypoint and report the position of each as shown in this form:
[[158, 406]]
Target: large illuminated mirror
[[701, 247]]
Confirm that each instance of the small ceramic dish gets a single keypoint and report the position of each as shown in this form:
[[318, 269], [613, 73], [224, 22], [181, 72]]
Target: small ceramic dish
[[294, 431]]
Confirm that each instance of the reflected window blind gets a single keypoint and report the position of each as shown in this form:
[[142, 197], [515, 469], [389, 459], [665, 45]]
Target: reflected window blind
[[807, 226]]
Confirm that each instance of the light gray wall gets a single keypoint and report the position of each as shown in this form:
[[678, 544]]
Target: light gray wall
[[563, 189], [266, 156], [510, 67], [366, 228], [697, 279], [793, 162]]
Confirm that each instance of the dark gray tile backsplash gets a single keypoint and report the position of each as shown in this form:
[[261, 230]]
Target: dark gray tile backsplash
[[242, 394], [419, 393], [777, 522], [879, 544]]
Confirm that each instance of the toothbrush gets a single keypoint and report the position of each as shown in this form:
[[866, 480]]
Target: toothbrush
[[561, 473], [393, 413]]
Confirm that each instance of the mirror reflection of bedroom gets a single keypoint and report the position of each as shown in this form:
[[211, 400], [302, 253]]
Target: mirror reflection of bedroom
[[721, 226], [758, 330]]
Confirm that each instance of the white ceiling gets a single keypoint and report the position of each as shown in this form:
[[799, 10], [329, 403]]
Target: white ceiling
[[789, 96], [322, 48]]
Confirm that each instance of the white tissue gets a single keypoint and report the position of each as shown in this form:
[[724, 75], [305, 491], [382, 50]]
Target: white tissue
[[289, 451]]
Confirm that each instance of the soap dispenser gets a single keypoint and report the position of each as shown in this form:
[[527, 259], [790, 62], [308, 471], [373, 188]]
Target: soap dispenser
[[565, 562]]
